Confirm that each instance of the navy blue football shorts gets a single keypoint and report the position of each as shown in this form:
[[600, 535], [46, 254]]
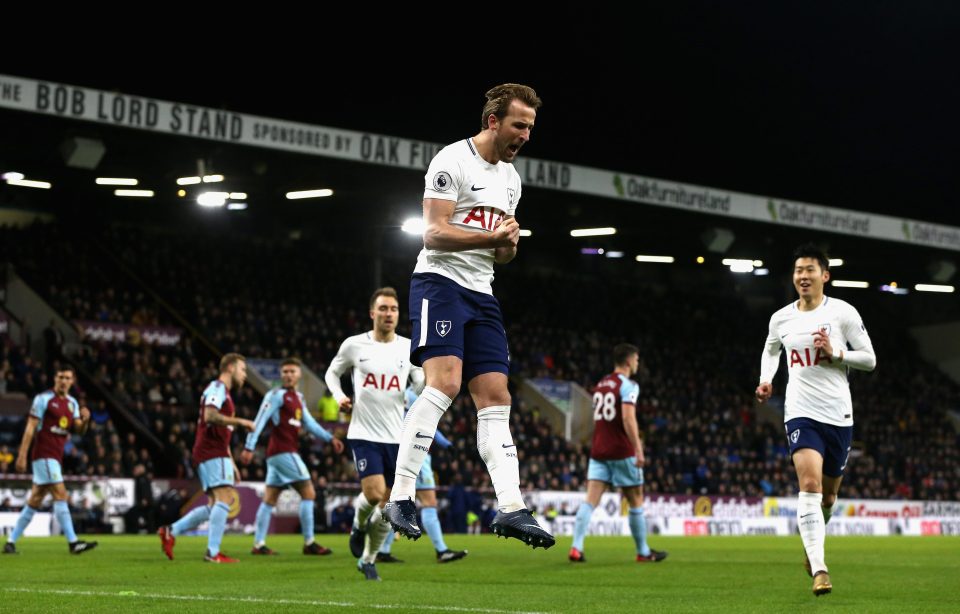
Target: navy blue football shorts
[[832, 442], [375, 458], [450, 320]]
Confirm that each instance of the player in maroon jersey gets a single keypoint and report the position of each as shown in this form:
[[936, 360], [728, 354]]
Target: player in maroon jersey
[[52, 415], [285, 408], [214, 460], [616, 455]]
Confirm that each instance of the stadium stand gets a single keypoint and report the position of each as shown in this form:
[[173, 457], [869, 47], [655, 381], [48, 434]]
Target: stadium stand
[[266, 298]]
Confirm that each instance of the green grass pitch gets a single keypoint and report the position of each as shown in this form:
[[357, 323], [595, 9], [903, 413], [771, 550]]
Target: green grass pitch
[[719, 574]]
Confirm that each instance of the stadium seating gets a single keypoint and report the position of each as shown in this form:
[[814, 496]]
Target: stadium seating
[[699, 359]]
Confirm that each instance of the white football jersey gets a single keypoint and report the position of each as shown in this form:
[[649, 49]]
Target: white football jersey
[[817, 387], [484, 194], [380, 373]]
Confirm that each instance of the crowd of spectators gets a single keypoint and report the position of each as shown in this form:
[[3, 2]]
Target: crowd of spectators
[[699, 360]]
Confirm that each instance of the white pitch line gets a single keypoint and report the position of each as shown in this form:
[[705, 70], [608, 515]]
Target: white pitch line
[[336, 604]]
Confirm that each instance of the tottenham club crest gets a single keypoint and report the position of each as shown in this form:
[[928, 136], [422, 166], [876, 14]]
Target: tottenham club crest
[[794, 436], [442, 181], [443, 327], [825, 327], [361, 464]]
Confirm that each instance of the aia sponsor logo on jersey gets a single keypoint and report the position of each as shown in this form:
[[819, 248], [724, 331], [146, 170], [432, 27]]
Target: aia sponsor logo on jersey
[[383, 383], [812, 359], [486, 218]]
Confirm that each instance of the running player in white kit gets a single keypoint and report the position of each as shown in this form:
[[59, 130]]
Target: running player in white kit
[[380, 360], [824, 338]]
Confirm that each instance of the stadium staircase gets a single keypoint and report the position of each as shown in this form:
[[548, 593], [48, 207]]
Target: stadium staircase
[[565, 405]]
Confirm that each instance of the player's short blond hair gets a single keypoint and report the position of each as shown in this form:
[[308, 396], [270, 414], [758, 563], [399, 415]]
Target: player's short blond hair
[[230, 359], [500, 97]]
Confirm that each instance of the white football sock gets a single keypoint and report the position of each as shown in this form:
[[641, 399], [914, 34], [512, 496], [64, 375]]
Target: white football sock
[[813, 530], [377, 531], [419, 427], [364, 509], [496, 447]]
